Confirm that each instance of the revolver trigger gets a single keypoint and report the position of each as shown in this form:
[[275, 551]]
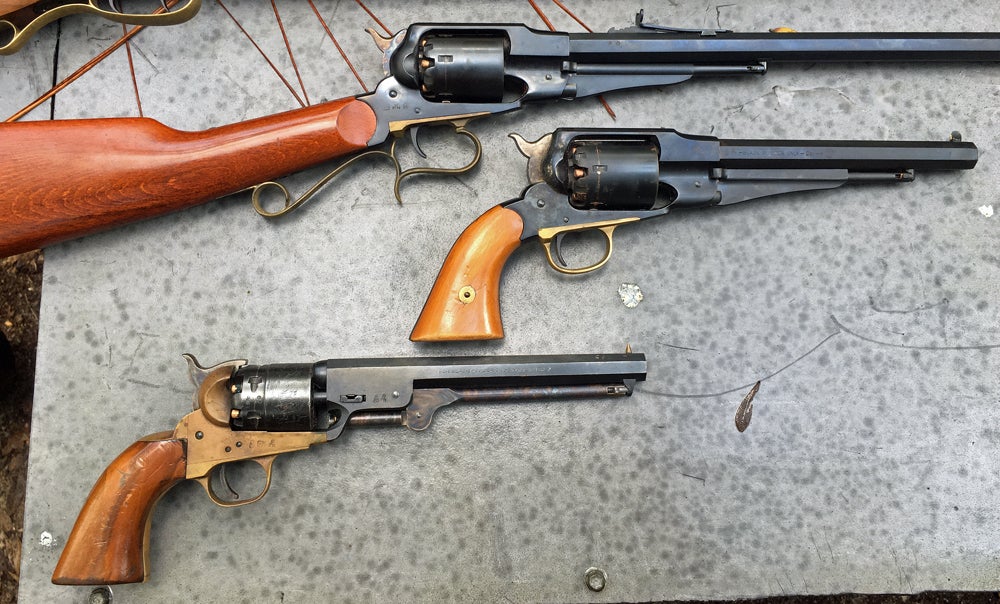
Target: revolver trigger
[[559, 256], [222, 478], [416, 142], [219, 473]]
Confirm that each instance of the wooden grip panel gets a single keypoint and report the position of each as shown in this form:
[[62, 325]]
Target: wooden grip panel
[[110, 540], [464, 303], [67, 178]]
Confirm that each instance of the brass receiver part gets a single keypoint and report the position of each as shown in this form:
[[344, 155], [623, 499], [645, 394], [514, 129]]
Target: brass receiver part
[[20, 22], [607, 227], [211, 443]]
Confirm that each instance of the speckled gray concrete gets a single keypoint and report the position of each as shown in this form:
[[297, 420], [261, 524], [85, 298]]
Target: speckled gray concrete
[[870, 314]]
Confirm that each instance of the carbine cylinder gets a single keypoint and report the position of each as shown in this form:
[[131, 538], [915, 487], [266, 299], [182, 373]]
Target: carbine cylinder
[[462, 69]]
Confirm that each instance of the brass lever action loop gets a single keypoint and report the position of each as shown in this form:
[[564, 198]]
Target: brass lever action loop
[[290, 205]]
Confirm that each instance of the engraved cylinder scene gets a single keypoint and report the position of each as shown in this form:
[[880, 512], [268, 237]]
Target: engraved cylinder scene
[[273, 397]]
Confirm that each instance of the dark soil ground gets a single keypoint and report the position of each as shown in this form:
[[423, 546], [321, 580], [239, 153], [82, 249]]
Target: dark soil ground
[[20, 294]]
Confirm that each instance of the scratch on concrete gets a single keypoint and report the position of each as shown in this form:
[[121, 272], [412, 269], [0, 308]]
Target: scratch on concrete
[[904, 311], [718, 13], [785, 97], [871, 340], [698, 478], [741, 386]]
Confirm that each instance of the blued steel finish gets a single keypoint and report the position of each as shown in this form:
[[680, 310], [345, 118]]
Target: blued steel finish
[[533, 54], [443, 71], [696, 171], [330, 395], [866, 156], [472, 68], [630, 185]]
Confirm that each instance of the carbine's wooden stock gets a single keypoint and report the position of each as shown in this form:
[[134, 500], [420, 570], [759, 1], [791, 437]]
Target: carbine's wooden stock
[[464, 303], [66, 178], [110, 540]]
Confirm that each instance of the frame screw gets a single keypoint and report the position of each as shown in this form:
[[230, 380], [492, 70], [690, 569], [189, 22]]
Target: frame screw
[[199, 435]]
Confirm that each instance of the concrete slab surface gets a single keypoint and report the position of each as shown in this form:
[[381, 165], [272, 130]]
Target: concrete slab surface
[[869, 314]]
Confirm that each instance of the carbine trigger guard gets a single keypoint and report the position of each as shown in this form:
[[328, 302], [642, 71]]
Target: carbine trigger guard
[[288, 205]]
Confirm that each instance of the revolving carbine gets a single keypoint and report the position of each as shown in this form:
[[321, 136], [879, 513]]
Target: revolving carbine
[[67, 178], [598, 180], [256, 412]]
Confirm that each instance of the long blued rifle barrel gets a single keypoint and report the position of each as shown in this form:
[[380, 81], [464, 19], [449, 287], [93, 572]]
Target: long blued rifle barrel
[[851, 155], [680, 47]]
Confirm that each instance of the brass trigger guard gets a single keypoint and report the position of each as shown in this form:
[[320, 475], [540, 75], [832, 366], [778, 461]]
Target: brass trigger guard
[[290, 205], [606, 227], [206, 483]]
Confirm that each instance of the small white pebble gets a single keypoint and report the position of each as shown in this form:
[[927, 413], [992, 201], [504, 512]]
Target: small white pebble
[[45, 539], [630, 294], [986, 211]]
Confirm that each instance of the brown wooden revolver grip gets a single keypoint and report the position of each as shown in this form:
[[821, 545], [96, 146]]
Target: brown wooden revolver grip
[[67, 178], [464, 303], [110, 540]]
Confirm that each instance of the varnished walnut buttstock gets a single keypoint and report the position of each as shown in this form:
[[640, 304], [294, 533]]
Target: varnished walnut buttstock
[[464, 303], [67, 178], [109, 543]]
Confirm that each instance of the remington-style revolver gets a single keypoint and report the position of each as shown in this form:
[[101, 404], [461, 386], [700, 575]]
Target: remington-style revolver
[[598, 180]]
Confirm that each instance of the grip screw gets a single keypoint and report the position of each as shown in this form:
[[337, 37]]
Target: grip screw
[[467, 294]]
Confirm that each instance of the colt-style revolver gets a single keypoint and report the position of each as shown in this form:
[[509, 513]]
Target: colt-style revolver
[[257, 412], [598, 180]]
